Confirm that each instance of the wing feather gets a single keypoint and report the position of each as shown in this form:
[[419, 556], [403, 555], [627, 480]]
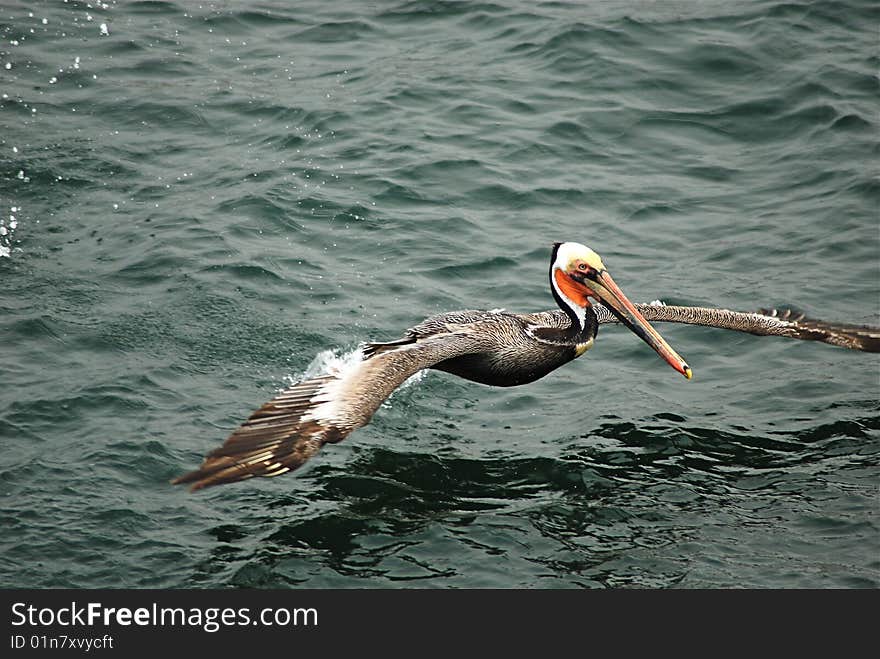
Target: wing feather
[[766, 322], [290, 428]]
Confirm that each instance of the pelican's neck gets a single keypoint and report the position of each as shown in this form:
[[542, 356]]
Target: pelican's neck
[[576, 312]]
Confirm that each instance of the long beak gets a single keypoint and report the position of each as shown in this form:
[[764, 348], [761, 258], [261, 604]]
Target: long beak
[[602, 286]]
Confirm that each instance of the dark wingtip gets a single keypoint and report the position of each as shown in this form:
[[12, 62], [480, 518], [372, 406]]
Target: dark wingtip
[[853, 337]]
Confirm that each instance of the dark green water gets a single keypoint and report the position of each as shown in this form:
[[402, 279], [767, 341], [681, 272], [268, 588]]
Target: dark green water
[[212, 194]]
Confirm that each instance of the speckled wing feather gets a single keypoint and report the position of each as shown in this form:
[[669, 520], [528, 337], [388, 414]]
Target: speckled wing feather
[[295, 424], [766, 322], [498, 325]]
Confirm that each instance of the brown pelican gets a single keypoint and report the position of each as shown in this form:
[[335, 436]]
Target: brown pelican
[[491, 347]]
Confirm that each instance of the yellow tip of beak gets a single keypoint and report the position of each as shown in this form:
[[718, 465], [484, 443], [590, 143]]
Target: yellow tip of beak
[[688, 373]]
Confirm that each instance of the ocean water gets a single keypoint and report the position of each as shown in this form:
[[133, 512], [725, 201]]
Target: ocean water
[[201, 202]]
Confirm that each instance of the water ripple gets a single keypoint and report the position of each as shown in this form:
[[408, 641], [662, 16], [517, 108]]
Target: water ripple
[[197, 200]]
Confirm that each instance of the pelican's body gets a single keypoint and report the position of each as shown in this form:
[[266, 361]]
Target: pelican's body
[[490, 347], [514, 348]]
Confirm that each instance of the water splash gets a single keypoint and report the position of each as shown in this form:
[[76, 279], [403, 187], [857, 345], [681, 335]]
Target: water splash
[[334, 362], [7, 230], [340, 363]]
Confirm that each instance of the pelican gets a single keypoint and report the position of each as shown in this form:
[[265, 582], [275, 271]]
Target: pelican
[[491, 347]]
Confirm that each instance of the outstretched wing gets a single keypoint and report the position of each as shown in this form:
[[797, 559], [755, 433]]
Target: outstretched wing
[[295, 424], [766, 322]]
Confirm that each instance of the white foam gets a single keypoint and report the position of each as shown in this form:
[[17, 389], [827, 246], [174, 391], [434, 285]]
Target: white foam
[[333, 362], [7, 231], [339, 363]]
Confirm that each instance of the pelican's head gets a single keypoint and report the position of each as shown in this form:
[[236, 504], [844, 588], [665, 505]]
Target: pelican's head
[[577, 274]]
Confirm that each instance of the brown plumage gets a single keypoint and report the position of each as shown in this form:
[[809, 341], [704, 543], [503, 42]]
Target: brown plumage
[[490, 347], [765, 322], [290, 428]]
